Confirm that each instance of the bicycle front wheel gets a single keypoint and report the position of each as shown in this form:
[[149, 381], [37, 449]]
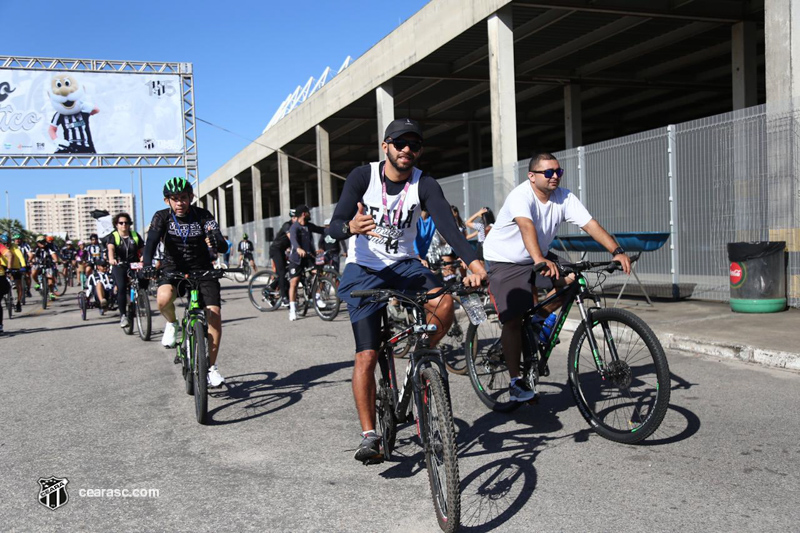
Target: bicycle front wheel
[[243, 275], [327, 305], [83, 304], [45, 292], [60, 286], [440, 450], [9, 303], [264, 291], [200, 375], [144, 320], [487, 364], [626, 399]]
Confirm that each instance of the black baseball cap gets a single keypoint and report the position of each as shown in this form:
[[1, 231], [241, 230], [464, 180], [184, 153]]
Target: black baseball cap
[[300, 209], [402, 126]]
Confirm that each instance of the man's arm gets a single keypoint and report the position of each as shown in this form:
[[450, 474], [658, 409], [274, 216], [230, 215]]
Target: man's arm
[[531, 241], [599, 234], [295, 242], [154, 236]]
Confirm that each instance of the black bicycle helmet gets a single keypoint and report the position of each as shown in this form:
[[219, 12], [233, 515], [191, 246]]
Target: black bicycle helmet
[[177, 185]]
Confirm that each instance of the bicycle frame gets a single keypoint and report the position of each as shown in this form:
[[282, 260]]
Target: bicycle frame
[[191, 315]]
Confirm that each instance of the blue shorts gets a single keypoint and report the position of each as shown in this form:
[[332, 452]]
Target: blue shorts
[[407, 275]]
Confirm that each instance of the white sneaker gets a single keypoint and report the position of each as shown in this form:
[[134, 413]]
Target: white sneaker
[[321, 303], [215, 379], [292, 315], [124, 322], [168, 339]]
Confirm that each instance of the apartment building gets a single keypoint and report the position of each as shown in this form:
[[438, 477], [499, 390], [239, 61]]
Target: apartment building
[[60, 214]]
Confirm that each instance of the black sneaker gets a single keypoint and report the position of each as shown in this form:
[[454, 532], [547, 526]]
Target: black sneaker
[[520, 392], [370, 448], [18, 307]]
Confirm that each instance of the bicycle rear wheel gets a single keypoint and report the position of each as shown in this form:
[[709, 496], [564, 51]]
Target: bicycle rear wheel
[[487, 365], [144, 320], [200, 374], [628, 400], [244, 274], [384, 409], [452, 346], [264, 291], [440, 450], [45, 291], [326, 286], [60, 286]]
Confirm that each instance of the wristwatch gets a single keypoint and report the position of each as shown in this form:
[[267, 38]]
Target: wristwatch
[[346, 229], [618, 251]]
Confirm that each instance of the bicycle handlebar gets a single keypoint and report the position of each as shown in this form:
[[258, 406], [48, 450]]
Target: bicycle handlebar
[[420, 298], [580, 266], [197, 275]]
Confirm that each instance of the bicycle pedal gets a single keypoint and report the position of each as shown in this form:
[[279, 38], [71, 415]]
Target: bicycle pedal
[[177, 360]]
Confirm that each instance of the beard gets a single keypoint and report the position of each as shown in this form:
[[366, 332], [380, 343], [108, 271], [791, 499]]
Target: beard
[[401, 167]]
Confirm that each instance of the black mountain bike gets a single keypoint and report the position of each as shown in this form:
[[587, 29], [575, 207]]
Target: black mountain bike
[[618, 373], [192, 345], [426, 384], [265, 294], [138, 305]]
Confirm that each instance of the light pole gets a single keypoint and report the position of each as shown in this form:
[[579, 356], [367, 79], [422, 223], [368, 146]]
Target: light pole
[[8, 208]]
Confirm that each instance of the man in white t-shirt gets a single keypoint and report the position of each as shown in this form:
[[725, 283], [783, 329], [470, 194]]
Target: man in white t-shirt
[[520, 238]]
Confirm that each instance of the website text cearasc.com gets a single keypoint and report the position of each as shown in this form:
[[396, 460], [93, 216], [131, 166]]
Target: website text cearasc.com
[[119, 493]]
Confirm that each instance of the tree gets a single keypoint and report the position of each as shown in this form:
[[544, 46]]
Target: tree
[[12, 226]]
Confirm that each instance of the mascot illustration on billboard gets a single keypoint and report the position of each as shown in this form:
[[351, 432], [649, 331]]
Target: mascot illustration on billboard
[[72, 115]]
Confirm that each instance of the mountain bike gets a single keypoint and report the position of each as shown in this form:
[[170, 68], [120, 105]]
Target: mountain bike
[[242, 273], [265, 293], [424, 396], [9, 298], [138, 304], [617, 370], [192, 346]]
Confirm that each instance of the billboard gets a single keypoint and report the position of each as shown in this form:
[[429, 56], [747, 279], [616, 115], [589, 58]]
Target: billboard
[[44, 112]]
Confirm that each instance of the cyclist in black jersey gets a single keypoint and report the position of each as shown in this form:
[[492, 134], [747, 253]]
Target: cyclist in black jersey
[[277, 254], [67, 254], [96, 252], [188, 233], [124, 247], [45, 257]]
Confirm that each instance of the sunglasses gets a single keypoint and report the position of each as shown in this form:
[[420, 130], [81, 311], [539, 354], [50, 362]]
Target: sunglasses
[[400, 144], [123, 223], [550, 172]]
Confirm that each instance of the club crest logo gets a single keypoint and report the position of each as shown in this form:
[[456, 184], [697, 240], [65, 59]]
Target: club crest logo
[[53, 492]]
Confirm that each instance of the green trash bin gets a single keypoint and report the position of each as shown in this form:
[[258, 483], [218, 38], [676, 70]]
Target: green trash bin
[[758, 276]]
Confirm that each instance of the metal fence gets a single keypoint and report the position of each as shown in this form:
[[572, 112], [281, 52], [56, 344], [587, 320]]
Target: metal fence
[[727, 178]]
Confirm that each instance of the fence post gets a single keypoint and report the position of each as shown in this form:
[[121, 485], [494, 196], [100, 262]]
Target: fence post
[[465, 186], [673, 211], [582, 175]]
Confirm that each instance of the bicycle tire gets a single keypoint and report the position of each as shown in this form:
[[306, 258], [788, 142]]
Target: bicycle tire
[[130, 312], [183, 353], [440, 450], [384, 411], [595, 396], [144, 318], [486, 365], [9, 302], [452, 348], [83, 304], [264, 291], [302, 308], [328, 294], [200, 374], [45, 292], [60, 286]]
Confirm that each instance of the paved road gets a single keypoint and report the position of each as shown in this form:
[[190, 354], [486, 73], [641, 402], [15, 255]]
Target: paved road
[[83, 401]]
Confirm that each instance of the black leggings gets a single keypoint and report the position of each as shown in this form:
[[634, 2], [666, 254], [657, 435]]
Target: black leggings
[[120, 275], [5, 287], [279, 258]]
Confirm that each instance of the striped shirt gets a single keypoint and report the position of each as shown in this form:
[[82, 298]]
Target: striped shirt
[[76, 128]]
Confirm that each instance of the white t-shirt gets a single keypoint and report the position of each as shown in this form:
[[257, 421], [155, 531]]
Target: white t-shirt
[[504, 243], [395, 243]]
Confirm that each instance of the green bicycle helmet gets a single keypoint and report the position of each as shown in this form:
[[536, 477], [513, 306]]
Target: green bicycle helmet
[[177, 185], [16, 236], [244, 236]]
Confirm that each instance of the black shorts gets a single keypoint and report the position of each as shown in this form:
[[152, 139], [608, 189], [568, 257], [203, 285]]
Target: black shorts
[[209, 290], [295, 269], [511, 287], [16, 274], [5, 286]]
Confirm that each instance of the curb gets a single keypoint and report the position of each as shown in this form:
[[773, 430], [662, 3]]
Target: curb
[[732, 351]]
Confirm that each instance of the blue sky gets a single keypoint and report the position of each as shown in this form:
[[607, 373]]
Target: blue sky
[[247, 55]]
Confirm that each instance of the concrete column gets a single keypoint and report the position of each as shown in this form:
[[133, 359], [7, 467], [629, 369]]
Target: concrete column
[[258, 210], [475, 146], [222, 206], [503, 103], [237, 201], [782, 54], [283, 184], [324, 178], [573, 126], [200, 201], [744, 64], [384, 98]]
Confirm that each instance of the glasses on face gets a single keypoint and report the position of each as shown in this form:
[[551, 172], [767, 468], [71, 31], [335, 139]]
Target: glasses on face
[[123, 223], [400, 145], [550, 172]]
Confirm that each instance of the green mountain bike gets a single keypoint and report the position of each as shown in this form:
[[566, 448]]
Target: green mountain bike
[[617, 370]]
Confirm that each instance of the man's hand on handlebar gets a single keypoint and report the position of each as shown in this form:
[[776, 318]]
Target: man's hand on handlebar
[[477, 275], [550, 269], [624, 261]]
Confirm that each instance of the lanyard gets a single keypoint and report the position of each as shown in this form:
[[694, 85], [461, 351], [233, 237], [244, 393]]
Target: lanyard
[[398, 205], [184, 235]]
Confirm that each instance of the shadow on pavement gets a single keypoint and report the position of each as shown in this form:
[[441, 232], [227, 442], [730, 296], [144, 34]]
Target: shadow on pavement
[[261, 393]]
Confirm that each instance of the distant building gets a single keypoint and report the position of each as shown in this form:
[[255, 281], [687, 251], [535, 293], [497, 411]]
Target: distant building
[[60, 214]]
